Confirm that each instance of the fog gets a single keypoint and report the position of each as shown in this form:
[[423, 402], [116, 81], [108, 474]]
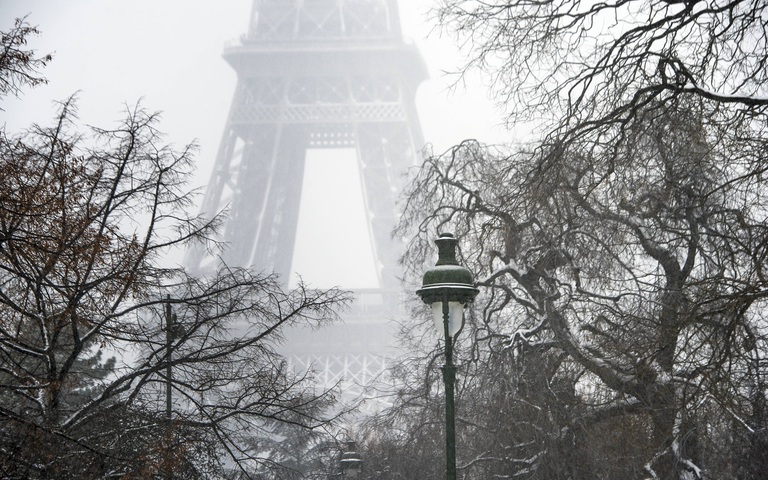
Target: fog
[[167, 56]]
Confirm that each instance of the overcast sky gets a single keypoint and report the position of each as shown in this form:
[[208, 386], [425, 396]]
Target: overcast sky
[[167, 54]]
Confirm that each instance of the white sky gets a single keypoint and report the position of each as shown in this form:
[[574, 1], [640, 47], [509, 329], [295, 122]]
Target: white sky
[[168, 54]]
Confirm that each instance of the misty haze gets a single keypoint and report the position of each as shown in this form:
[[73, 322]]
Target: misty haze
[[383, 239]]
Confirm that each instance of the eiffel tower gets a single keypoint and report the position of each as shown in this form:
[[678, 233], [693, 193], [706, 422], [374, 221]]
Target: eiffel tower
[[319, 74]]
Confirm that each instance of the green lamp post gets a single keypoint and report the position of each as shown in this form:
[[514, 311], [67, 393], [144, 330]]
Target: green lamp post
[[448, 287]]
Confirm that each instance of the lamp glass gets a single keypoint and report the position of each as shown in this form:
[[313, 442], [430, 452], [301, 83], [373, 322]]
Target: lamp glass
[[455, 317]]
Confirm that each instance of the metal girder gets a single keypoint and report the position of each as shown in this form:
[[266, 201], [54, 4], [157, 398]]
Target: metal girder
[[286, 20]]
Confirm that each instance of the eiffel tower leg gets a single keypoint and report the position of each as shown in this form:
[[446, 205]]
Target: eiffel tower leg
[[276, 237], [250, 193], [385, 151]]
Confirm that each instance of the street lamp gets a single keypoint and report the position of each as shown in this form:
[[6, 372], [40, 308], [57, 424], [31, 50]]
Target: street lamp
[[351, 462], [447, 287], [170, 321]]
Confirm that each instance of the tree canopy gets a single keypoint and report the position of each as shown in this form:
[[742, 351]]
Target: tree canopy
[[620, 332], [19, 66], [113, 363], [584, 69]]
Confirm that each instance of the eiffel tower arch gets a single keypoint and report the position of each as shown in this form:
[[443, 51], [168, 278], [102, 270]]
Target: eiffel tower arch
[[319, 74]]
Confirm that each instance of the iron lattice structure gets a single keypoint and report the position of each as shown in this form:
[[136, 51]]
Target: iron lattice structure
[[318, 74]]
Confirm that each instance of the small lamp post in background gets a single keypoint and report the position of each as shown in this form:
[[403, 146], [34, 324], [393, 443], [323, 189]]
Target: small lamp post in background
[[173, 331], [351, 462], [170, 322], [448, 287]]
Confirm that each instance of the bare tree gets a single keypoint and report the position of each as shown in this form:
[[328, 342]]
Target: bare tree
[[93, 383], [623, 250], [584, 69], [635, 273], [19, 66]]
